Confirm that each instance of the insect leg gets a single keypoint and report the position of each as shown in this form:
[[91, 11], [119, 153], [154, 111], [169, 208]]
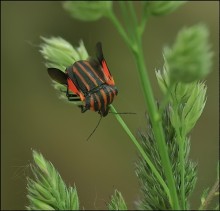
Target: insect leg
[[69, 96], [83, 108], [67, 93], [74, 99]]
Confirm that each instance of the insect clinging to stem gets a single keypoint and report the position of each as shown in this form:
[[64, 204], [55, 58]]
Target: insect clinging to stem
[[90, 81]]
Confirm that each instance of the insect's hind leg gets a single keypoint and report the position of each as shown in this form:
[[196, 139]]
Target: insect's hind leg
[[83, 108], [74, 99]]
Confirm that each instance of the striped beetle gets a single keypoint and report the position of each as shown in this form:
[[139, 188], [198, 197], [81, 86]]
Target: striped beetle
[[90, 81]]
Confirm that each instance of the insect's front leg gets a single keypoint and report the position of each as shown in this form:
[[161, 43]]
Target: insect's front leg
[[67, 93], [72, 97]]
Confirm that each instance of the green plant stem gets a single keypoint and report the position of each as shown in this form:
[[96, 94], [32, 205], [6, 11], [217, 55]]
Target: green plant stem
[[210, 196], [156, 124], [182, 167], [120, 29], [155, 117], [180, 138], [182, 164], [166, 99], [181, 141], [133, 19], [140, 149], [145, 15], [126, 20]]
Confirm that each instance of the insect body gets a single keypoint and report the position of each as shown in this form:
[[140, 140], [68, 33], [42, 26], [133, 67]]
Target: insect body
[[89, 80]]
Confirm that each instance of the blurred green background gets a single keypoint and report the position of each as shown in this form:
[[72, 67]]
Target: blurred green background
[[34, 118]]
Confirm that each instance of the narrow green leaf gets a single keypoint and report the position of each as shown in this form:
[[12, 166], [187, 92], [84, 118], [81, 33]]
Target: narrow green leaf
[[117, 202], [74, 201], [39, 205]]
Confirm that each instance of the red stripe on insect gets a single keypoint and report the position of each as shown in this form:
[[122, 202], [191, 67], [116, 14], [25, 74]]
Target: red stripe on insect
[[92, 107], [81, 78], [73, 88], [110, 79], [91, 68], [98, 100], [104, 97], [86, 72]]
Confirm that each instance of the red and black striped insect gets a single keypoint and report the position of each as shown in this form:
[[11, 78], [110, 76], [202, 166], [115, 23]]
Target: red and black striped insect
[[90, 81]]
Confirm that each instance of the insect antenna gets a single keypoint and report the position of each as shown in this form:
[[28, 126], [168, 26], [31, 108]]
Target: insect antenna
[[94, 128]]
